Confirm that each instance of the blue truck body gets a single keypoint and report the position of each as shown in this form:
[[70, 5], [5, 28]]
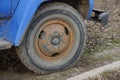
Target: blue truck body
[[52, 32], [20, 14]]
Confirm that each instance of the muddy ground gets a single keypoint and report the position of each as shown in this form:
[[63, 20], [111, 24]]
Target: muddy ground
[[103, 47]]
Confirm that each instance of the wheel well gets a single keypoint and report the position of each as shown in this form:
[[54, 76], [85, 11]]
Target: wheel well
[[81, 5]]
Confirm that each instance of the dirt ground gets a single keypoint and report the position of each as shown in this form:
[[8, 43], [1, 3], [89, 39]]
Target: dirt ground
[[19, 72], [108, 75], [103, 47]]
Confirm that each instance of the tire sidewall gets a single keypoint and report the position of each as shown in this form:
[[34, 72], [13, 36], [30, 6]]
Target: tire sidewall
[[79, 31]]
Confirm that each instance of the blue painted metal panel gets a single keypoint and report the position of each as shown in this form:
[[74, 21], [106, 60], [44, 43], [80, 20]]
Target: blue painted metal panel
[[2, 30], [91, 6], [22, 17], [20, 20], [14, 6], [5, 6]]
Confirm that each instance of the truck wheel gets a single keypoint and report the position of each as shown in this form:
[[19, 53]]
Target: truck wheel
[[55, 39]]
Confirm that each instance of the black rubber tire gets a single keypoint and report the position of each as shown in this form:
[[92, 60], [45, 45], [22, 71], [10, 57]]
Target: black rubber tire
[[26, 50]]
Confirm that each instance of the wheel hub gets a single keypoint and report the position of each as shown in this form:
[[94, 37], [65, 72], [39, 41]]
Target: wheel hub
[[54, 39]]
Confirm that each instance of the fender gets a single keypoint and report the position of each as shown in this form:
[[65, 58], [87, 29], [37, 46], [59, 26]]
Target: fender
[[22, 17]]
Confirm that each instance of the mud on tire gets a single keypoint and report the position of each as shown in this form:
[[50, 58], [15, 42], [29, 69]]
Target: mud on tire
[[55, 39]]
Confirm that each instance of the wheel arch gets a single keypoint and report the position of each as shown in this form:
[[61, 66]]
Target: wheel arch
[[84, 7], [20, 21]]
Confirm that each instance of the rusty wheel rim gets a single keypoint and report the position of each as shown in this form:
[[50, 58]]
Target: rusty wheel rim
[[54, 40]]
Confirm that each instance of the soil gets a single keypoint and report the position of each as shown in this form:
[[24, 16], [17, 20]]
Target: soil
[[114, 75], [108, 75], [14, 70], [103, 47]]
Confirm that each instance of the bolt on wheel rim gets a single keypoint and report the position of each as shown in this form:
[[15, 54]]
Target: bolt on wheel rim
[[54, 40]]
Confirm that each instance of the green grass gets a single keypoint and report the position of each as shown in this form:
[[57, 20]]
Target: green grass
[[92, 50], [40, 78], [116, 41]]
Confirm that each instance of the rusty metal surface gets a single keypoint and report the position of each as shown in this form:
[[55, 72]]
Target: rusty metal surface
[[54, 40]]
